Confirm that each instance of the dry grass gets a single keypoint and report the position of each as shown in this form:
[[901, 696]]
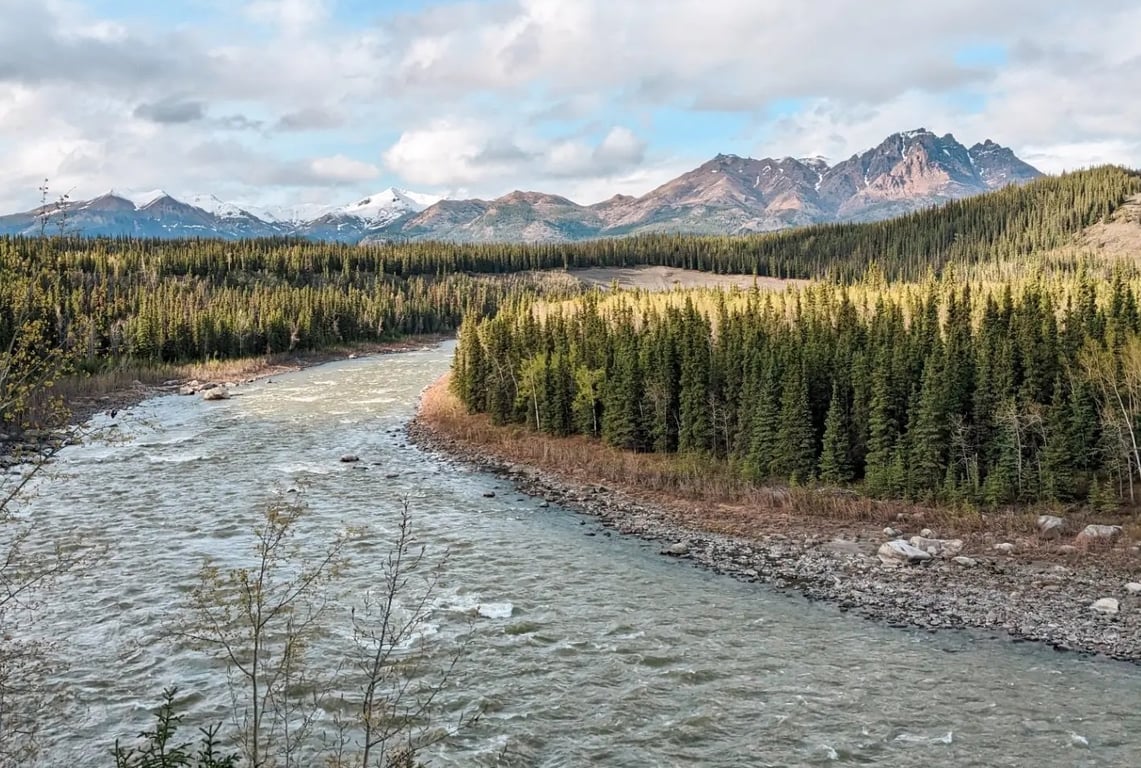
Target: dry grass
[[708, 494], [701, 492], [668, 278], [1120, 236]]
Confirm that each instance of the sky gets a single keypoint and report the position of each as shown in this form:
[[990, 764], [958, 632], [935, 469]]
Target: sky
[[290, 102]]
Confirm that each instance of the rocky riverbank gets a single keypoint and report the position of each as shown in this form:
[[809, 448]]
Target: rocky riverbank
[[1076, 601]]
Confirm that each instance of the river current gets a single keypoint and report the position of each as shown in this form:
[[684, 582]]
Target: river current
[[586, 648]]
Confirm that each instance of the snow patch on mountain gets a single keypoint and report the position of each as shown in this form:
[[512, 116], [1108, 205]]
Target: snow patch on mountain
[[141, 199], [388, 205]]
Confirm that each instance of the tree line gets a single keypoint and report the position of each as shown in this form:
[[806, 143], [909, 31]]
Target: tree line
[[187, 300], [1021, 392]]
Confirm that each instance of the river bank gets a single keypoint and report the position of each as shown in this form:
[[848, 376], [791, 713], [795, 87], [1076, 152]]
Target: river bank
[[827, 546]]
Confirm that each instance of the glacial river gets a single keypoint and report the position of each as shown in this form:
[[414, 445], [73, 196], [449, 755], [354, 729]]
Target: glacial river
[[586, 649]]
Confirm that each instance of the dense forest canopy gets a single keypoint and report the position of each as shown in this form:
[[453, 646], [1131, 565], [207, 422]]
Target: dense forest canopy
[[979, 393]]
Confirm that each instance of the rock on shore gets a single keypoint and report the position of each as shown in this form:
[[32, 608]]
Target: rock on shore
[[894, 582]]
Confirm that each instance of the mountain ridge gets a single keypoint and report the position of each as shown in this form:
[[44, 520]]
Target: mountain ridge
[[728, 194]]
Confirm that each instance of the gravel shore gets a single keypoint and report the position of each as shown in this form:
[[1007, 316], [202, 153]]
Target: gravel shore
[[1049, 601]]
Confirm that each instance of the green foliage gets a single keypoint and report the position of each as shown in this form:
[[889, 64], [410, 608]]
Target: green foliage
[[160, 750], [999, 393]]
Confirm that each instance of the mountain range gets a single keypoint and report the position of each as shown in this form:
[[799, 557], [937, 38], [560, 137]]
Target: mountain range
[[727, 195]]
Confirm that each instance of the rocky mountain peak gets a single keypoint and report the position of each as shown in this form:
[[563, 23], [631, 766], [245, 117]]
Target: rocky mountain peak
[[729, 193]]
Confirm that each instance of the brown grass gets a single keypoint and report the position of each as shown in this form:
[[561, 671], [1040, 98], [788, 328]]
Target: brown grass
[[708, 494], [698, 491], [649, 278]]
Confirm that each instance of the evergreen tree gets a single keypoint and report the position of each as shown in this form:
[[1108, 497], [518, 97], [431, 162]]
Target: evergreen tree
[[795, 454], [836, 455]]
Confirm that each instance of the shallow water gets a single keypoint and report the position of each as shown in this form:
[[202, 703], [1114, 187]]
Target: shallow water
[[586, 647]]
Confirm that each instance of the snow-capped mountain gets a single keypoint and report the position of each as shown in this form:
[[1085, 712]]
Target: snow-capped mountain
[[154, 213], [366, 216], [728, 194]]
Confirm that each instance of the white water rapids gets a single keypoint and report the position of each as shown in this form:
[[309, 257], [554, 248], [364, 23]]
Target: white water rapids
[[587, 649]]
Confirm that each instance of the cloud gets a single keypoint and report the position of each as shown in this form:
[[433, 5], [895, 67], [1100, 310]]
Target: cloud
[[450, 153], [456, 152], [283, 99], [309, 119], [338, 168], [171, 111], [239, 123], [293, 16]]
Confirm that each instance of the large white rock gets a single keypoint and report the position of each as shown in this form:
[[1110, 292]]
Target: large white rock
[[899, 552], [938, 547], [1133, 588], [218, 393], [1107, 606], [1005, 548], [1051, 526], [1099, 535]]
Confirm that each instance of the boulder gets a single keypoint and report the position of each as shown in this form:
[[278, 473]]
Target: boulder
[[350, 458], [1094, 536], [927, 533], [892, 532], [1133, 588], [1051, 527], [899, 552], [1067, 549], [938, 547], [1107, 606], [680, 549], [1005, 548], [218, 393], [966, 562], [489, 494]]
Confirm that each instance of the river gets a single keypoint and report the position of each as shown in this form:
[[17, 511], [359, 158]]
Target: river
[[586, 648]]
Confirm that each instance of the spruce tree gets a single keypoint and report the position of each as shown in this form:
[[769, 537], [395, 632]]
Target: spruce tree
[[836, 455], [795, 455]]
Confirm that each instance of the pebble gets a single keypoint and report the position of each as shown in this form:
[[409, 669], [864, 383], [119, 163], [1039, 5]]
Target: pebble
[[1107, 606], [975, 594]]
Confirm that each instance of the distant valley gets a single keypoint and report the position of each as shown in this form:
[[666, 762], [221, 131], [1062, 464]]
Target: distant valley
[[729, 194]]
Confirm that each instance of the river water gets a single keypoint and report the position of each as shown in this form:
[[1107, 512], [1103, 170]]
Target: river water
[[585, 648]]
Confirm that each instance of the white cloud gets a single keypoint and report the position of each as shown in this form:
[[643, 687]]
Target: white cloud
[[339, 168], [467, 152], [568, 97], [293, 16], [446, 152]]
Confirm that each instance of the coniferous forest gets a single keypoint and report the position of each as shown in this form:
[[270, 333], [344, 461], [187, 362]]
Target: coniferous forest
[[968, 352], [937, 391]]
